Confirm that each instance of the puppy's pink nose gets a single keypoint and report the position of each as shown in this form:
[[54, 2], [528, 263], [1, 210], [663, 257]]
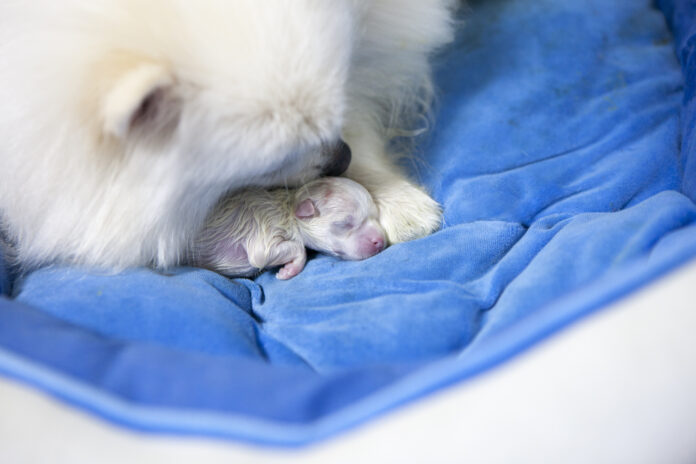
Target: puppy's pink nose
[[378, 244], [371, 243]]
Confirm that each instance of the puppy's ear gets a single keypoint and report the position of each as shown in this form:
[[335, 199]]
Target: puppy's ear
[[140, 98], [306, 209]]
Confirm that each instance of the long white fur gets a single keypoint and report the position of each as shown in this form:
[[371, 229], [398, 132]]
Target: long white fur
[[255, 228], [125, 121]]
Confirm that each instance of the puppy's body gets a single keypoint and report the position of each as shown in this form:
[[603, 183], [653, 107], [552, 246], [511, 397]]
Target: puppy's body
[[256, 229], [125, 121], [251, 230]]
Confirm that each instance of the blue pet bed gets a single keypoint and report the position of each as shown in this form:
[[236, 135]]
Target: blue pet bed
[[565, 157]]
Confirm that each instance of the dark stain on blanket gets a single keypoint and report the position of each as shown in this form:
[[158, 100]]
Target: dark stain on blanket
[[662, 41]]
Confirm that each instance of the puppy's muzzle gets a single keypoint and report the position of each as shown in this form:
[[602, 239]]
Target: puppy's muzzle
[[339, 160]]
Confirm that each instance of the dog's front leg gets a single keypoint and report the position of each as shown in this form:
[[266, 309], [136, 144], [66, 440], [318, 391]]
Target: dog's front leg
[[406, 210]]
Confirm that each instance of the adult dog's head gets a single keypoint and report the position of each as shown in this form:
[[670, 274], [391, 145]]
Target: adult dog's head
[[240, 93], [126, 120]]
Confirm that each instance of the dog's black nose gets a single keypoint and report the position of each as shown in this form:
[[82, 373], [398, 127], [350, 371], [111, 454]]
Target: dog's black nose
[[339, 161]]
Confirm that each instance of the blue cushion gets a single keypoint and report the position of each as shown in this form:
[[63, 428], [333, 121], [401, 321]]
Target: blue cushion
[[565, 158]]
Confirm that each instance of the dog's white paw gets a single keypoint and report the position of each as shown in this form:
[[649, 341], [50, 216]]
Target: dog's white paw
[[407, 212]]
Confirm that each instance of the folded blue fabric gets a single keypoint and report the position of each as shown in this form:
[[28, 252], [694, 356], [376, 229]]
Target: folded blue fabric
[[682, 18], [565, 158]]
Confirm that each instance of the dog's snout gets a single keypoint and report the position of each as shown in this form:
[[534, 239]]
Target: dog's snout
[[339, 160]]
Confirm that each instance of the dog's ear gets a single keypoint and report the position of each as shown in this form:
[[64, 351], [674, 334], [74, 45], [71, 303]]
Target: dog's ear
[[306, 209], [140, 98]]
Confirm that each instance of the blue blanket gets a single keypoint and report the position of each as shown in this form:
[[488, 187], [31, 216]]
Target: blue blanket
[[565, 158]]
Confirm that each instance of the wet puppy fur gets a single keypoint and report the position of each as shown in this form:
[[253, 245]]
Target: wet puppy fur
[[256, 228], [124, 121]]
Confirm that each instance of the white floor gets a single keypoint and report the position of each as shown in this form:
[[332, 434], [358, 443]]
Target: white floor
[[619, 387]]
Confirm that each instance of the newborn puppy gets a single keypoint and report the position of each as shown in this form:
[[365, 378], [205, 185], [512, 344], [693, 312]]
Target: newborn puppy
[[256, 229]]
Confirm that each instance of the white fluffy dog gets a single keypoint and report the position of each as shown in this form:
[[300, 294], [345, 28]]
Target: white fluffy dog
[[255, 228], [123, 122]]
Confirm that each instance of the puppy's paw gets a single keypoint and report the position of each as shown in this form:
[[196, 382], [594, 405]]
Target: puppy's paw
[[288, 272], [407, 212], [291, 269]]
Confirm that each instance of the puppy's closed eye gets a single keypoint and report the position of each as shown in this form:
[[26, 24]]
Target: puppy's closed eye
[[343, 226]]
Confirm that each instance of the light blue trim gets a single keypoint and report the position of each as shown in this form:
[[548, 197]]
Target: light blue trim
[[432, 377]]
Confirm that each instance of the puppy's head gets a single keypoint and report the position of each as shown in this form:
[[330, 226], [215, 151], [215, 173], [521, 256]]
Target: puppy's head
[[227, 93], [337, 216]]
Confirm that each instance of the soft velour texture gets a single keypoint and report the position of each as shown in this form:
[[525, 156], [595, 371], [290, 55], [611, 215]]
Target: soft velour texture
[[564, 156]]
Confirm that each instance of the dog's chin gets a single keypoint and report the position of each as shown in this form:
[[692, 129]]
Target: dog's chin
[[285, 178], [292, 172], [330, 160]]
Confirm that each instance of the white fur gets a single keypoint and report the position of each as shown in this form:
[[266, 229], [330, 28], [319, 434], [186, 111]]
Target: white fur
[[125, 121], [255, 228]]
